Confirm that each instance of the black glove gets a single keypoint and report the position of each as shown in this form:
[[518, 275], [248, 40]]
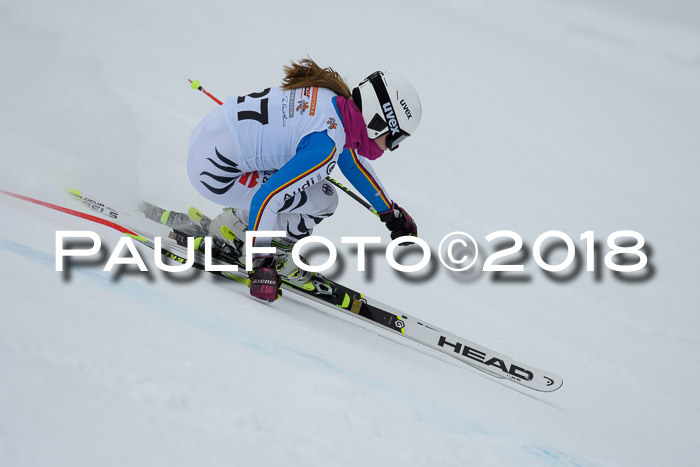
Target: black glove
[[264, 281], [399, 222]]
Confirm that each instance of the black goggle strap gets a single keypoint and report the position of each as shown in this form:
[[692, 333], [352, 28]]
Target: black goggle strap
[[392, 141], [396, 135]]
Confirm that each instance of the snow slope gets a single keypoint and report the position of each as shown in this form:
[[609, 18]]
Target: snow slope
[[538, 115]]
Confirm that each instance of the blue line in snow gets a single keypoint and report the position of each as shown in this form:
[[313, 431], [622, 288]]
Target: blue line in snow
[[549, 457], [27, 252]]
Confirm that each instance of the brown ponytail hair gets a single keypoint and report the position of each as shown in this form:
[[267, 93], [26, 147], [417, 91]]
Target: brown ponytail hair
[[306, 72]]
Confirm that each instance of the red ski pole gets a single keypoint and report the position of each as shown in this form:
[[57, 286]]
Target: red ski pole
[[195, 85]]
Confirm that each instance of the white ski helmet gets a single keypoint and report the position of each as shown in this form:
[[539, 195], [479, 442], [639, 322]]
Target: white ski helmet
[[388, 104]]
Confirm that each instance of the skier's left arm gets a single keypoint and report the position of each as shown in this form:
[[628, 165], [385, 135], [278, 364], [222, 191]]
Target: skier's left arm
[[363, 177]]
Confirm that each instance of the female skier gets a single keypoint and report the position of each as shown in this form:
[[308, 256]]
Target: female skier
[[267, 155]]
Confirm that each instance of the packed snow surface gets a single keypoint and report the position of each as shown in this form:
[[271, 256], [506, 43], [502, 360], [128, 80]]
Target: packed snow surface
[[538, 115]]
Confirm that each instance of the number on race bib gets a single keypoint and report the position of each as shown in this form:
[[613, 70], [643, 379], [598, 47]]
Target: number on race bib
[[262, 116]]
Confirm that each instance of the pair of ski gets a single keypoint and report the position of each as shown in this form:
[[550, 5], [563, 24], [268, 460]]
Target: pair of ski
[[351, 302], [327, 292], [343, 299]]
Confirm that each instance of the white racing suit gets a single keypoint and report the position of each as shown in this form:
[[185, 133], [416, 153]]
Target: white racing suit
[[267, 155]]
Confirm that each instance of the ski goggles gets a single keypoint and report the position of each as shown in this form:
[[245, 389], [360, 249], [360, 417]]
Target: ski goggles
[[396, 134]]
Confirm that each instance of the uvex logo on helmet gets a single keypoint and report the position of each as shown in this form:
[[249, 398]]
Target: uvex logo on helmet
[[391, 118], [406, 110]]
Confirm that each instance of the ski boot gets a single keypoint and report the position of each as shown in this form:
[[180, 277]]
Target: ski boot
[[288, 271], [227, 232], [194, 223]]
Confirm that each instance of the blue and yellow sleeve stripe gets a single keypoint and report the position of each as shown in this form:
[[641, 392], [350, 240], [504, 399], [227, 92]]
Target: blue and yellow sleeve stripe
[[363, 180]]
